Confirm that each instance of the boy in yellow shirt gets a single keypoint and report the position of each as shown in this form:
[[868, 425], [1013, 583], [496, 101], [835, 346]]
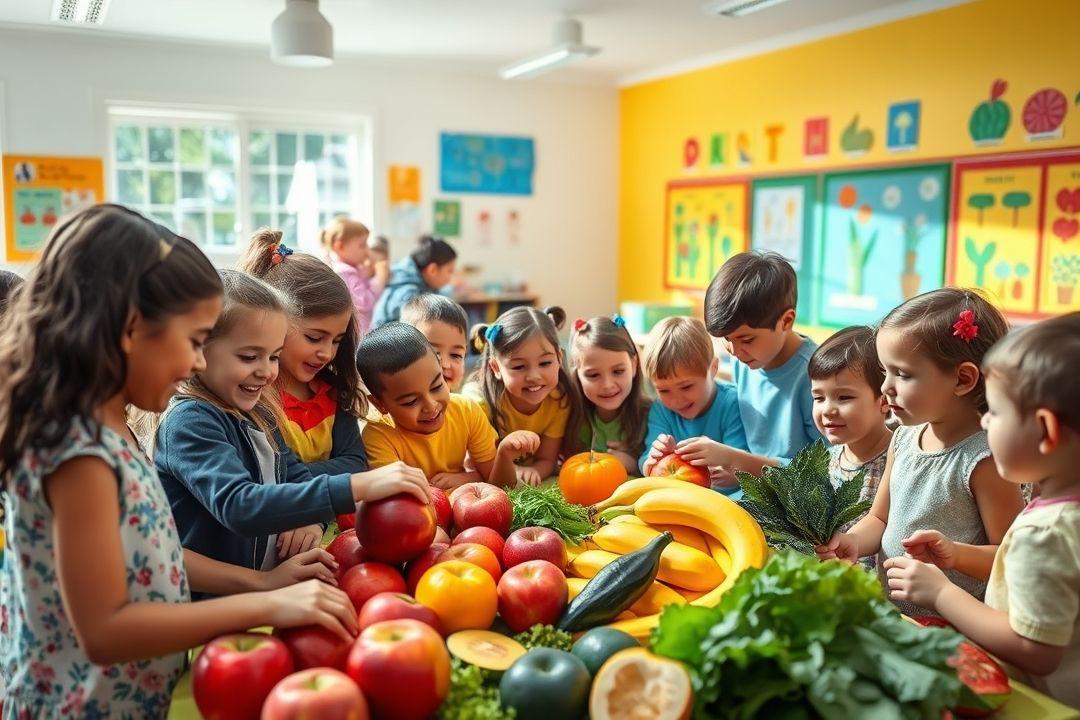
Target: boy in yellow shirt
[[427, 427]]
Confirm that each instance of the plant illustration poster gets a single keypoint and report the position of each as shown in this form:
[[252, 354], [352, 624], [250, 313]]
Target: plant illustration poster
[[782, 220], [882, 241], [1060, 262], [490, 164], [706, 224]]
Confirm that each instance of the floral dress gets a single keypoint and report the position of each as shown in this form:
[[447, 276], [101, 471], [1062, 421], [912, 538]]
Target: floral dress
[[45, 671]]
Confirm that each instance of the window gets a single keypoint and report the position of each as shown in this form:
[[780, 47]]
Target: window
[[215, 178]]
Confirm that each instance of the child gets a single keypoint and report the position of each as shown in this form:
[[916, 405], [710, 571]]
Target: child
[[1031, 618], [849, 409], [379, 251], [751, 305], [428, 428], [320, 390], [427, 270], [95, 604], [9, 283], [238, 496], [606, 373], [693, 406], [522, 384], [938, 472], [347, 252], [445, 325]]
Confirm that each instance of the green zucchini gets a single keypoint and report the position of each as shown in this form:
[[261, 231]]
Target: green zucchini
[[616, 587]]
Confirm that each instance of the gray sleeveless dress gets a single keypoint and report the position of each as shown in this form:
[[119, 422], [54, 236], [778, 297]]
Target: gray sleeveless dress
[[931, 491]]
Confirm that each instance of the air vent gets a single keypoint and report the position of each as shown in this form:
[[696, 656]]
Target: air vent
[[738, 8], [80, 12]]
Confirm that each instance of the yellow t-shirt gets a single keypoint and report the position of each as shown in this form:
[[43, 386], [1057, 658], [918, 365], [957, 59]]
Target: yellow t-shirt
[[465, 429], [549, 420], [1036, 580]]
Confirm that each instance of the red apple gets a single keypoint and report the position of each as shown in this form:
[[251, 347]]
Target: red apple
[[346, 521], [346, 550], [534, 543], [485, 536], [476, 554], [481, 504], [321, 693], [675, 467], [314, 646], [234, 673], [396, 529], [366, 580], [396, 606], [530, 593], [402, 667], [416, 567], [441, 536], [441, 503]]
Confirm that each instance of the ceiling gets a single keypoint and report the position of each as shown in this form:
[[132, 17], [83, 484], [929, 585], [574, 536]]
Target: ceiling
[[640, 38]]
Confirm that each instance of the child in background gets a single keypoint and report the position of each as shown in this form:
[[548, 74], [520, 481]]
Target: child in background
[[606, 372], [445, 325], [521, 382], [379, 250], [346, 243], [938, 474], [850, 410], [9, 283], [1031, 618], [429, 269], [320, 390], [238, 495], [428, 427], [751, 305], [693, 408], [97, 618]]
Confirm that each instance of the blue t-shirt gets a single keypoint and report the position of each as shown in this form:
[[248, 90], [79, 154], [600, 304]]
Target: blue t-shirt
[[776, 405], [719, 422]]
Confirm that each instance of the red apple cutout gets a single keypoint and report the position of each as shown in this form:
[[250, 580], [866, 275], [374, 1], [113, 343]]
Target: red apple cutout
[[321, 693], [346, 550], [366, 580], [485, 536], [314, 646], [396, 606], [416, 567], [403, 669], [482, 505], [441, 503], [476, 554], [675, 467], [530, 593], [396, 529], [234, 673], [534, 543], [346, 521]]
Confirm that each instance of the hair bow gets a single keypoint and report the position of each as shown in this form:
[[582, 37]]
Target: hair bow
[[492, 333], [279, 252], [965, 327], [580, 324], [619, 320]]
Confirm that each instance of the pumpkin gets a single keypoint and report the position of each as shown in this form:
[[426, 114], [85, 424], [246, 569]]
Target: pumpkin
[[589, 477]]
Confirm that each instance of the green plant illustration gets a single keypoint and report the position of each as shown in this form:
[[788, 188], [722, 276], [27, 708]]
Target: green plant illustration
[[693, 253], [712, 229], [681, 251], [725, 246], [979, 258], [990, 120], [858, 255], [1065, 272], [1002, 271], [1021, 271], [1015, 201], [981, 202], [854, 139], [903, 123]]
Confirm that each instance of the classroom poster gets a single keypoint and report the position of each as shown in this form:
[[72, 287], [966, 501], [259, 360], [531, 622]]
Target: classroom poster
[[706, 224], [882, 241], [447, 218], [782, 220], [38, 191], [492, 164], [1060, 262], [403, 183]]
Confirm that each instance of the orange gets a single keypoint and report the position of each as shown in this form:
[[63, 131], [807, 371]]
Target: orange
[[463, 595]]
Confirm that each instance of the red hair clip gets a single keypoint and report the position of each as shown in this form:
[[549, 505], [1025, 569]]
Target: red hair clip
[[580, 324], [279, 252], [965, 327]]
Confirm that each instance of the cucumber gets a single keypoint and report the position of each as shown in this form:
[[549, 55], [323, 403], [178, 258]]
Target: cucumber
[[615, 588]]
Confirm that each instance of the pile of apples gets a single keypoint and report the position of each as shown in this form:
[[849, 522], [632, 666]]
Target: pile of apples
[[412, 586]]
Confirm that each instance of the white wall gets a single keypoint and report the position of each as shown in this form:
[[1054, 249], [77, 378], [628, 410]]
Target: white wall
[[56, 86]]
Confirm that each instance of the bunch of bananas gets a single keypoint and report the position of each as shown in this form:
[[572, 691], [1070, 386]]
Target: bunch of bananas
[[715, 540]]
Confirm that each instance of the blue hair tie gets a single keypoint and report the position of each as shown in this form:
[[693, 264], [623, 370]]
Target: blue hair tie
[[619, 321], [279, 252], [492, 333]]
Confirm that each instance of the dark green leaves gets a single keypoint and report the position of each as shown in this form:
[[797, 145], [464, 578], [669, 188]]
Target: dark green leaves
[[546, 507]]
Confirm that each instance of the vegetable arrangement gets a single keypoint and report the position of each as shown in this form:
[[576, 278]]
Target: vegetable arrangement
[[546, 507]]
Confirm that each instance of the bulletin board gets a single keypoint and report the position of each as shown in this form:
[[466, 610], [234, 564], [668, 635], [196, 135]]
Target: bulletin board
[[38, 191], [706, 224], [783, 211]]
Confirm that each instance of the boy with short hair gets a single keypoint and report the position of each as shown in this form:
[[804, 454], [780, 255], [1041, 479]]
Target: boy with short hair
[[445, 325], [692, 403], [428, 428]]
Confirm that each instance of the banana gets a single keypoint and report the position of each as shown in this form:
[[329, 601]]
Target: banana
[[719, 554], [680, 564], [686, 536], [572, 551], [654, 599], [591, 562], [629, 520], [631, 490], [688, 595], [574, 586]]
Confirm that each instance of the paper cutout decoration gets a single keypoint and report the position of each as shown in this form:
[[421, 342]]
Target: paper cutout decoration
[[743, 147], [816, 138], [717, 147], [854, 140], [1044, 114], [691, 152], [404, 183], [773, 133], [990, 120], [903, 126], [447, 218]]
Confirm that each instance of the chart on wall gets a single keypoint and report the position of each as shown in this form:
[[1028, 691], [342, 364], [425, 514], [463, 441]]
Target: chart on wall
[[491, 164], [706, 224], [882, 241], [782, 220], [38, 190]]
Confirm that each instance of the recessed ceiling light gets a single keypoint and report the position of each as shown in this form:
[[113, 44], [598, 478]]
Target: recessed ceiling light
[[738, 8], [80, 12]]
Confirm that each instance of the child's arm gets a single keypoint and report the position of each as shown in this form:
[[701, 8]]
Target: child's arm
[[706, 452], [301, 539], [92, 576], [501, 470], [544, 460], [347, 455], [999, 503], [211, 576], [865, 537]]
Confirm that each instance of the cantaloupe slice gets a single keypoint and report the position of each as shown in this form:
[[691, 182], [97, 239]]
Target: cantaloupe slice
[[635, 683], [485, 649]]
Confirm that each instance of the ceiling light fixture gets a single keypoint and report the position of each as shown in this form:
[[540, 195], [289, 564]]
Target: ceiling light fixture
[[80, 12], [567, 48], [301, 36], [738, 8]]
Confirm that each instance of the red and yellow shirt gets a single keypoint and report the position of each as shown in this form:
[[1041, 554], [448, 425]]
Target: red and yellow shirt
[[309, 424]]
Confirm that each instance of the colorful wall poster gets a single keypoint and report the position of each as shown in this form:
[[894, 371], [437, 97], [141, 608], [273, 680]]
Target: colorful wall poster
[[882, 241], [706, 224], [447, 218], [903, 126], [782, 220], [491, 164], [38, 190], [1059, 271], [403, 183]]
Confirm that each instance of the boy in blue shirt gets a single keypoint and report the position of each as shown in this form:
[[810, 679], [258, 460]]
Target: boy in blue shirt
[[692, 404]]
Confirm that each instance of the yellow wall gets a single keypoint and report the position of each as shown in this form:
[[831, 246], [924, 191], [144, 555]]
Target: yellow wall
[[947, 59]]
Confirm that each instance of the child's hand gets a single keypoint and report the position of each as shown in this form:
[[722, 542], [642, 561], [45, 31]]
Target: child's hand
[[723, 477], [449, 481], [520, 444], [314, 563], [311, 603], [703, 451], [293, 542], [392, 479], [662, 445], [841, 547], [915, 581], [930, 546], [529, 476]]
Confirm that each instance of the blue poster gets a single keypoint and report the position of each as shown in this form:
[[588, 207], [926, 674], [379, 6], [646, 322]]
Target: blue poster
[[903, 128], [883, 241], [493, 164]]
